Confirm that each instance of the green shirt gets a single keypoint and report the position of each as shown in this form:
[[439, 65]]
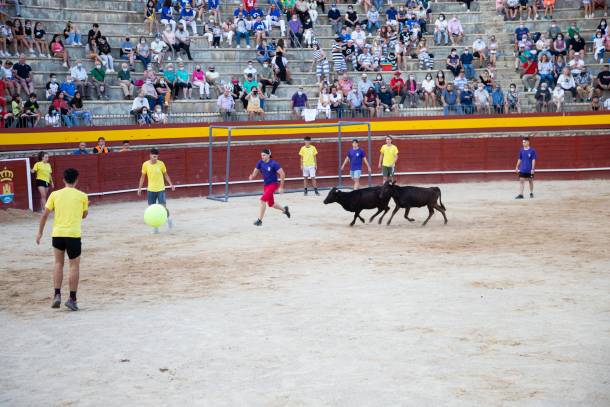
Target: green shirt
[[183, 75], [573, 30], [124, 75], [248, 85], [98, 74], [170, 76]]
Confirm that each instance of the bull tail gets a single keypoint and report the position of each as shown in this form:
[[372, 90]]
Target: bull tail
[[437, 189]]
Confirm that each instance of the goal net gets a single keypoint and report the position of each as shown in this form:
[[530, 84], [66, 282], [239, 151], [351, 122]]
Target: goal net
[[233, 152]]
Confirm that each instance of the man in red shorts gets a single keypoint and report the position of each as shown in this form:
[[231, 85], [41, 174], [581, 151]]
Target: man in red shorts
[[270, 170]]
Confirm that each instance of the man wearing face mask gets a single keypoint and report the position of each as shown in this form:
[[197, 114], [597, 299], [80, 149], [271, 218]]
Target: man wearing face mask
[[226, 104], [295, 30], [250, 69], [466, 60], [68, 88], [98, 80], [125, 82], [466, 100], [512, 99], [268, 78], [335, 19], [79, 75]]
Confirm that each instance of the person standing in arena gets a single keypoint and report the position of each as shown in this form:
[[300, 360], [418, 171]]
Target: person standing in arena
[[309, 164], [270, 169], [71, 207], [154, 169], [43, 171], [356, 156], [526, 165], [387, 159]]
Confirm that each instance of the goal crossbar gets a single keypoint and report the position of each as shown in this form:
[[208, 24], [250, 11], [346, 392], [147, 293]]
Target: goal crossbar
[[227, 182]]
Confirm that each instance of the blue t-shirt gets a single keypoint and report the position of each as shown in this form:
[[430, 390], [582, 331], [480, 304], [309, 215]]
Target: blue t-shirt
[[520, 31], [526, 157], [391, 13], [256, 12], [269, 171], [355, 158]]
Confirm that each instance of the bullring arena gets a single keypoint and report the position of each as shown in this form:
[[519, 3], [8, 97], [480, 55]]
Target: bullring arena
[[507, 304]]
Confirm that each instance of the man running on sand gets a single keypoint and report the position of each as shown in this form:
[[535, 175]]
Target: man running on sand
[[270, 169], [71, 207]]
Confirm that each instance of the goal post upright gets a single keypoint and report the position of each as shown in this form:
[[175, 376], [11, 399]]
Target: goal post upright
[[229, 129]]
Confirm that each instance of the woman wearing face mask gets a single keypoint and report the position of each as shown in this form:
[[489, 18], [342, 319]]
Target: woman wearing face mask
[[440, 84], [158, 117], [453, 63], [200, 82], [493, 50], [182, 82], [39, 42], [512, 99], [77, 112], [324, 102], [105, 55], [378, 82], [372, 103], [576, 44], [440, 30], [428, 87], [170, 79], [599, 48], [93, 53], [254, 104], [559, 46], [143, 117], [169, 37], [164, 90], [143, 52], [603, 26]]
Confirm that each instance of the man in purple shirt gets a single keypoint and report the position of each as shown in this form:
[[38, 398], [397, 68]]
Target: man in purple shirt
[[299, 102], [295, 30], [270, 169], [356, 156], [526, 165]]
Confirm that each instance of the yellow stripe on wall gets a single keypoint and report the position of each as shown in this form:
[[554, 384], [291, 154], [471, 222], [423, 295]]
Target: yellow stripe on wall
[[448, 124]]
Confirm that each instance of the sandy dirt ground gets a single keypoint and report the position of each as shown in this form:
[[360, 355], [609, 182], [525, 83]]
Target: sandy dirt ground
[[507, 305]]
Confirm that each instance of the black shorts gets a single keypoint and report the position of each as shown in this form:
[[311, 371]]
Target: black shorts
[[526, 175], [70, 245], [41, 183]]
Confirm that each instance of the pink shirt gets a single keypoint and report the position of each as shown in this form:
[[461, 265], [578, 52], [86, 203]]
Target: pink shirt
[[56, 47], [455, 27], [198, 76]]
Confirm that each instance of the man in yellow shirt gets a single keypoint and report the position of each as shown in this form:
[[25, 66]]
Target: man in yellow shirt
[[309, 164], [71, 207], [156, 172], [387, 159]]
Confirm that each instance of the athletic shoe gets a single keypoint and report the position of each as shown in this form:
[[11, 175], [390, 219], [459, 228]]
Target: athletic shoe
[[287, 212], [531, 195], [519, 196], [56, 301], [316, 191], [258, 222], [71, 304]]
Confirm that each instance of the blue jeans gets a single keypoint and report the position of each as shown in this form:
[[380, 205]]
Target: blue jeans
[[156, 197], [67, 120], [152, 102], [370, 26], [238, 37], [548, 78], [452, 108], [73, 38], [145, 61], [378, 4], [82, 116], [438, 36], [469, 71], [468, 109]]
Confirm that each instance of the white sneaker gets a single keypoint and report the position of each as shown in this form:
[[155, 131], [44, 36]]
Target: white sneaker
[[2, 54], [65, 65], [247, 46], [32, 52], [601, 60], [169, 58], [401, 106], [238, 46]]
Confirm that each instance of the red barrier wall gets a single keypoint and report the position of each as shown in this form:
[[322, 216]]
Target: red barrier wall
[[14, 184], [120, 171]]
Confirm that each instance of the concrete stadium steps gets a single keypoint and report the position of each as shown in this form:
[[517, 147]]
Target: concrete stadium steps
[[101, 5]]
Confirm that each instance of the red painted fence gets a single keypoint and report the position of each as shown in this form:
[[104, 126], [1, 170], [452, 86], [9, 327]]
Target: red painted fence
[[121, 171]]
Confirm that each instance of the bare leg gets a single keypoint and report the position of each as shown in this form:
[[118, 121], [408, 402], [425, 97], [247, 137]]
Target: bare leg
[[261, 212], [304, 182], [521, 185], [43, 197], [74, 273], [356, 183], [278, 206], [314, 183], [531, 181], [58, 272]]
